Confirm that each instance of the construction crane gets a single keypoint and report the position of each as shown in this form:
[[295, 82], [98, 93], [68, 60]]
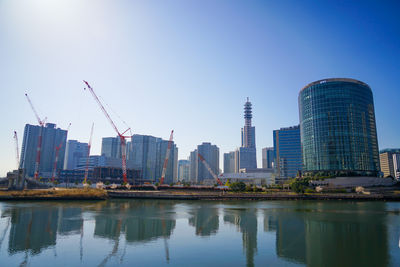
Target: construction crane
[[88, 155], [16, 148], [120, 135], [39, 146], [164, 170], [56, 159], [209, 168]]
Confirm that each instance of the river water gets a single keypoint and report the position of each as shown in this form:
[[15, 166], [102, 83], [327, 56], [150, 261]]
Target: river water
[[199, 233]]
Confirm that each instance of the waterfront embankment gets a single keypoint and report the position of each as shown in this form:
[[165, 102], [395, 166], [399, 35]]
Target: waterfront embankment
[[99, 194], [55, 194]]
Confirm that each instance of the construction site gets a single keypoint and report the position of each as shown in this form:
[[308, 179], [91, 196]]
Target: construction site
[[31, 173]]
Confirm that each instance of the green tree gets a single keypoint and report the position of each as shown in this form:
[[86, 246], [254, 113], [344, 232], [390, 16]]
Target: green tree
[[238, 186]]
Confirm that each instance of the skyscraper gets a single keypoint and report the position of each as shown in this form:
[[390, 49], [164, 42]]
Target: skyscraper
[[183, 170], [338, 129], [111, 147], [230, 162], [52, 137], [287, 152], [198, 171], [73, 153], [148, 154], [267, 157], [247, 152]]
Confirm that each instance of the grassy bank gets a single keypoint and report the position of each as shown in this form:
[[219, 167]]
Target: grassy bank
[[59, 193]]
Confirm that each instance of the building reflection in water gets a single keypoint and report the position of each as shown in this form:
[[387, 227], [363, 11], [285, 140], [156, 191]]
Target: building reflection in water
[[309, 233], [32, 229], [204, 217], [245, 219], [325, 234]]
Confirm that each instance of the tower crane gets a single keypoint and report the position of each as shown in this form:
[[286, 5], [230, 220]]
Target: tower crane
[[164, 170], [209, 168], [56, 159], [16, 148], [39, 146], [120, 135], [88, 155]]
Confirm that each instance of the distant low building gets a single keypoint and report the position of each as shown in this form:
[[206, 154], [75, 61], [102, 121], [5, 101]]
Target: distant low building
[[262, 178], [387, 158]]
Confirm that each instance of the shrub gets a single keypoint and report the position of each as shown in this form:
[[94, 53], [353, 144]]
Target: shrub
[[309, 190], [237, 186]]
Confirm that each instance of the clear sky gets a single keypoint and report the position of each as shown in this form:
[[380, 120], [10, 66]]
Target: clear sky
[[189, 65]]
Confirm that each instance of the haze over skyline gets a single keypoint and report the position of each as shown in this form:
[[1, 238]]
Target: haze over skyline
[[189, 66]]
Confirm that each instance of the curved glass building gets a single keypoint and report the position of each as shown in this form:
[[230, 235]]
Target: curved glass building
[[338, 129]]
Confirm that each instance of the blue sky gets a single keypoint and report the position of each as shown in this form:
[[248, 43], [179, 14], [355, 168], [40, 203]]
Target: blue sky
[[189, 65]]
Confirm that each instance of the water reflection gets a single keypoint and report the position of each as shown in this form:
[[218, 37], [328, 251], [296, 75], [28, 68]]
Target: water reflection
[[205, 219], [305, 233], [245, 220]]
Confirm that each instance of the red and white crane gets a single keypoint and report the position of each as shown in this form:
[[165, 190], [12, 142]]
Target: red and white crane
[[16, 148], [88, 155], [57, 153], [164, 170], [120, 135], [39, 146], [201, 158]]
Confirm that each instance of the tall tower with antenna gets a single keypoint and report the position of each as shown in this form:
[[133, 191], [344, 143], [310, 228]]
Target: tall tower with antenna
[[247, 152], [248, 131]]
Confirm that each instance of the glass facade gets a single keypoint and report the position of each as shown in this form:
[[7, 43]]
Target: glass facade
[[51, 138], [338, 129], [287, 152]]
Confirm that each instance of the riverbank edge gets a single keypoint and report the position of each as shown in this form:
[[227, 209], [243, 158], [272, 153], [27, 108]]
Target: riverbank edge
[[167, 195]]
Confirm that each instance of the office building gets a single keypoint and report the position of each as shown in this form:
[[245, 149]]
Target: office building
[[287, 152], [171, 174], [111, 147], [183, 170], [194, 163], [387, 158], [267, 157], [74, 151], [198, 170], [338, 129], [247, 152], [396, 165], [52, 138], [230, 162], [148, 155]]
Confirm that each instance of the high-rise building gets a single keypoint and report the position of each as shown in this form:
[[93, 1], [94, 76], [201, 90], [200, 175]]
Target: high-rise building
[[148, 154], [198, 171], [74, 151], [171, 175], [183, 170], [52, 137], [194, 163], [396, 165], [111, 147], [338, 129], [247, 152], [267, 157], [387, 159], [230, 162], [287, 152]]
